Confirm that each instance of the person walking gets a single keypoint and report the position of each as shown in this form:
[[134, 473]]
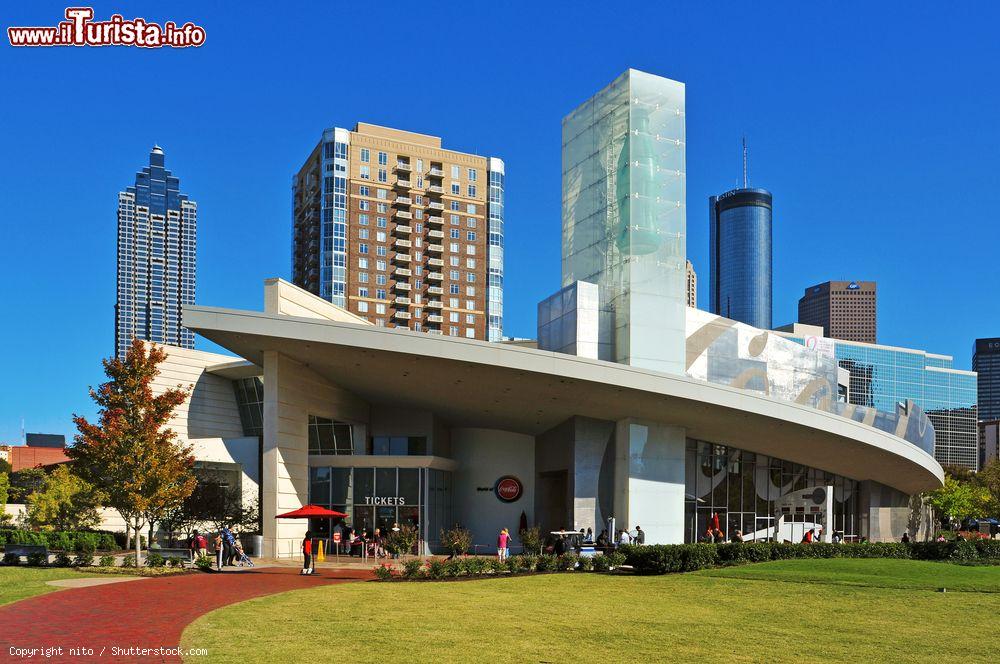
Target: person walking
[[218, 551], [503, 539], [624, 537], [307, 550], [227, 543], [640, 535], [809, 537], [200, 547], [192, 544], [906, 538]]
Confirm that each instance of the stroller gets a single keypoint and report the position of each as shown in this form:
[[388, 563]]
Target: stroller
[[242, 559]]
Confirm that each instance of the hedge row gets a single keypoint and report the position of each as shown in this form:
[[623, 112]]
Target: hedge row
[[62, 540], [669, 558]]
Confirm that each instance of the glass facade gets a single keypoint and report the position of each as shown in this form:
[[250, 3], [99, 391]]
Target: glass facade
[[986, 363], [250, 402], [624, 213], [740, 248], [156, 258], [883, 376], [741, 488], [494, 298], [333, 216], [380, 497]]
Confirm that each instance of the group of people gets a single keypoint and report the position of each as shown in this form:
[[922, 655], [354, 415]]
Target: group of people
[[228, 548], [714, 535]]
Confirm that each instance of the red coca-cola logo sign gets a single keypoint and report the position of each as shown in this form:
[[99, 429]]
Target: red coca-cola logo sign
[[508, 488]]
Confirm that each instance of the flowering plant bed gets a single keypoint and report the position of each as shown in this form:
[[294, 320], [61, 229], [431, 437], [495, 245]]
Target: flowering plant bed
[[483, 568]]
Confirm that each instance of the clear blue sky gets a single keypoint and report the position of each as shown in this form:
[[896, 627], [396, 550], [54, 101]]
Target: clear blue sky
[[875, 128]]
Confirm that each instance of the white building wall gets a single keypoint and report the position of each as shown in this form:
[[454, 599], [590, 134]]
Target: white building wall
[[210, 411], [293, 392], [483, 457]]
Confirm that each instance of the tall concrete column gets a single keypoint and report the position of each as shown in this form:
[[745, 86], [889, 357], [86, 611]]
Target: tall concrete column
[[649, 479]]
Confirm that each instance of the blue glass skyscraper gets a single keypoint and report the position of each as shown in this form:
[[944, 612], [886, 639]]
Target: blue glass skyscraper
[[156, 258], [740, 248]]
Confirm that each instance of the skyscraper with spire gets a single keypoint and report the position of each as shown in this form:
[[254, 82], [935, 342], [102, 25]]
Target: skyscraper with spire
[[740, 251], [156, 258]]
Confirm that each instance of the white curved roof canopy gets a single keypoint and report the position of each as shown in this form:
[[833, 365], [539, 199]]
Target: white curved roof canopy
[[475, 383]]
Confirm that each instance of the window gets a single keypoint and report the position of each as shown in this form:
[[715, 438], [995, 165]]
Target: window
[[455, 171], [383, 159], [470, 304], [418, 270], [453, 302], [472, 191], [471, 236], [470, 222], [366, 155], [420, 165], [453, 260], [380, 279], [363, 277], [366, 173], [381, 222], [470, 291], [453, 289], [418, 200], [363, 307], [363, 263], [380, 251], [362, 248], [470, 249], [327, 436], [364, 190], [363, 233], [453, 331], [472, 175], [363, 219], [454, 236], [380, 294], [381, 193], [470, 263], [455, 189], [399, 445], [383, 175], [381, 208], [380, 236], [380, 309], [455, 220], [418, 214], [362, 292], [470, 208], [380, 265], [470, 319], [454, 275], [470, 277], [453, 317], [455, 206], [470, 333], [364, 205]]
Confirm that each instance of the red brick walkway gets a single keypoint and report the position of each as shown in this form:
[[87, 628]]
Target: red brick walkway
[[148, 613]]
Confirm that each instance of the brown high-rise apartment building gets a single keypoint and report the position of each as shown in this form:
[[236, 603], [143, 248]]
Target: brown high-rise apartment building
[[844, 309], [692, 286], [391, 226]]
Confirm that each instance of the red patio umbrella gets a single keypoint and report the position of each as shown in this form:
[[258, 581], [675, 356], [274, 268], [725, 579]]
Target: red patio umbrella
[[310, 512]]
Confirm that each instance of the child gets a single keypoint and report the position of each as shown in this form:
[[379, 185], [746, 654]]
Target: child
[[307, 553]]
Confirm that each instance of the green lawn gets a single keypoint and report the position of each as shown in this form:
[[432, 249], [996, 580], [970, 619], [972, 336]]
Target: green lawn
[[881, 573], [21, 582], [717, 616]]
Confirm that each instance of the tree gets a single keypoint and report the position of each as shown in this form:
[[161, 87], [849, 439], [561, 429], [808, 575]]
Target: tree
[[129, 454], [5, 467], [958, 500], [989, 479], [65, 502], [25, 482], [4, 490]]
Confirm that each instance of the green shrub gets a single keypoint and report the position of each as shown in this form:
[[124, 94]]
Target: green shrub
[[128, 560], [615, 559], [546, 563], [454, 567], [86, 545], [586, 563], [383, 572], [435, 569], [11, 559], [62, 559], [496, 566], [204, 563], [531, 540], [106, 561], [106, 542], [567, 562], [601, 563], [155, 560], [475, 566], [38, 559], [413, 569], [83, 559]]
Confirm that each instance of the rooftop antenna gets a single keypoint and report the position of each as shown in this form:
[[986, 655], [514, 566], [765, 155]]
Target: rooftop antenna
[[744, 161]]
